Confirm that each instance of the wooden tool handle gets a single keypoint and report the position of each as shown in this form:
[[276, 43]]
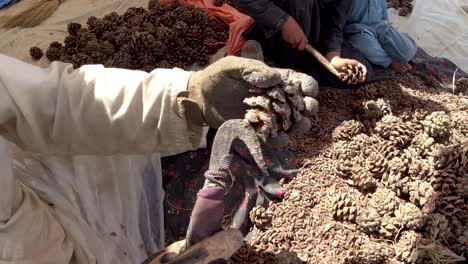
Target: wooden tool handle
[[312, 51]]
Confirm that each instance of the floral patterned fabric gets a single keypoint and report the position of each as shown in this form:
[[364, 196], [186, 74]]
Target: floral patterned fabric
[[183, 177]]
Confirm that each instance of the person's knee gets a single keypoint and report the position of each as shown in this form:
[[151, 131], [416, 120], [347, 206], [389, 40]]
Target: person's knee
[[400, 46]]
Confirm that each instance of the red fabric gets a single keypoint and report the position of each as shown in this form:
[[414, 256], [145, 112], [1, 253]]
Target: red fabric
[[238, 22]]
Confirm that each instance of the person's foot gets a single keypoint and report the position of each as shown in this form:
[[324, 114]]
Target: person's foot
[[401, 67], [252, 50]]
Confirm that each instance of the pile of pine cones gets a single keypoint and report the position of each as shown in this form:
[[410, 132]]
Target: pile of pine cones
[[164, 36], [404, 7], [414, 169]]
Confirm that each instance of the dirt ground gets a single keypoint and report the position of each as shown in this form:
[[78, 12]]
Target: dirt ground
[[341, 208]]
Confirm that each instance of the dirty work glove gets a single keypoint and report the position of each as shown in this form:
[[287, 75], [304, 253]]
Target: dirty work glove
[[216, 93]]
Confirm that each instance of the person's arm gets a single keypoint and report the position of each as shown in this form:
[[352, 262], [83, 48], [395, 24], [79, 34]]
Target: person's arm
[[269, 16], [92, 110], [334, 17]]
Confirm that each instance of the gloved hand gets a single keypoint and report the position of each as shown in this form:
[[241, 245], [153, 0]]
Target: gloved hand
[[216, 93]]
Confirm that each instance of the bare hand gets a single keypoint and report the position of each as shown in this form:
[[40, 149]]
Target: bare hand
[[341, 64], [293, 34]]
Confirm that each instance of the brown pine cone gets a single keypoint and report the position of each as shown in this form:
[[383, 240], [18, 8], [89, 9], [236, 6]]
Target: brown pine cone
[[389, 227], [384, 201], [410, 216], [347, 130], [81, 59], [437, 124], [391, 128], [369, 253], [452, 158], [395, 173], [375, 109], [346, 150], [56, 44], [388, 149], [445, 182], [344, 169], [363, 180], [352, 75], [36, 53], [369, 220], [344, 208], [73, 28], [71, 42], [420, 169], [421, 192], [423, 143], [437, 226], [406, 247], [53, 54], [376, 163]]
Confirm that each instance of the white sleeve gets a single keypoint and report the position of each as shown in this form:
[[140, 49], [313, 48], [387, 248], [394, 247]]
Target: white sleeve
[[92, 110]]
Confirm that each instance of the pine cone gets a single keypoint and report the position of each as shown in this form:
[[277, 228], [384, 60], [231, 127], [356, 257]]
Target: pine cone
[[395, 173], [393, 129], [389, 227], [260, 217], [423, 143], [437, 124], [352, 75], [347, 130], [81, 59], [410, 216], [73, 28], [53, 54], [445, 182], [460, 121], [369, 220], [344, 208], [376, 109], [376, 163], [363, 180], [452, 206], [420, 192], [344, 169], [384, 201], [453, 158], [437, 226], [369, 253], [420, 169], [71, 42], [346, 150], [36, 53], [406, 247], [388, 149]]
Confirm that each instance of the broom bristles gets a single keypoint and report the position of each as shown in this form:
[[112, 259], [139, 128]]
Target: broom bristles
[[27, 13]]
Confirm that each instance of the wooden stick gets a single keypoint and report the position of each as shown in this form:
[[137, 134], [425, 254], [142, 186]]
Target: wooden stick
[[312, 51]]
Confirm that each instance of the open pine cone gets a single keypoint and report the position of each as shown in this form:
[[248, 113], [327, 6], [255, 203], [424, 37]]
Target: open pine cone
[[344, 208], [410, 216], [384, 201], [375, 109], [351, 75], [395, 130], [346, 150], [437, 124], [376, 163], [53, 54], [369, 220], [347, 130], [420, 192], [406, 247], [73, 28], [389, 227]]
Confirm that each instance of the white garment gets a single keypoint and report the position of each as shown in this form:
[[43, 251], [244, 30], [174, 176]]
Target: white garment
[[71, 206]]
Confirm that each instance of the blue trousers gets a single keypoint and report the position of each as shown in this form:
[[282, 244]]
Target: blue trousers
[[381, 45]]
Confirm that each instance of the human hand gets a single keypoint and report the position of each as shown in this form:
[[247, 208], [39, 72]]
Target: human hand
[[293, 34], [341, 64], [216, 94]]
